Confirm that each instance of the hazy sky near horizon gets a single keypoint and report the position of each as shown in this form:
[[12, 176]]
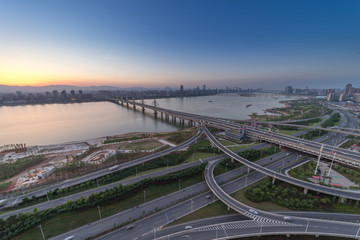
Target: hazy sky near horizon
[[156, 43]]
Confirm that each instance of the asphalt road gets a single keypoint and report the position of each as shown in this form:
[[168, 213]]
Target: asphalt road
[[174, 212]]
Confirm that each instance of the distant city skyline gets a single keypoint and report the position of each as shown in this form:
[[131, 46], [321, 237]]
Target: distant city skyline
[[154, 44]]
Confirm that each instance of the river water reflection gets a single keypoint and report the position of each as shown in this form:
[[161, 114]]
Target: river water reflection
[[58, 123]]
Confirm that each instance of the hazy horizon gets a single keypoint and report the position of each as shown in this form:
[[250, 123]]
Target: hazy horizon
[[249, 44]]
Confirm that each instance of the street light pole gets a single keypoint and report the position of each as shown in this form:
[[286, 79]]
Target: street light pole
[[332, 162], [317, 165], [154, 232], [47, 195], [42, 233], [99, 211]]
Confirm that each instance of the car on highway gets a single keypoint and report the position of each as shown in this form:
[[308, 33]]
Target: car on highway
[[253, 211], [70, 238], [287, 218], [130, 226], [188, 227], [208, 196]]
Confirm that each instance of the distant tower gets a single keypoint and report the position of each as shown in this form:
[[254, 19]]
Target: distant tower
[[288, 90], [347, 90], [204, 87], [181, 90]]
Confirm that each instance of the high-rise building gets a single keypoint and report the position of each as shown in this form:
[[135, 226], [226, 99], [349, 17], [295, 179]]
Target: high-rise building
[[347, 89], [204, 87], [288, 90], [342, 97], [55, 93], [331, 96], [356, 97]]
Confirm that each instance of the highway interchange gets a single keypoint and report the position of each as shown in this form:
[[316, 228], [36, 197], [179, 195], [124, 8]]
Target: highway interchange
[[248, 225]]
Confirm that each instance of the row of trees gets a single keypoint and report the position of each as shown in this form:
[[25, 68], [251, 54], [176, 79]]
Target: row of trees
[[253, 155], [334, 119], [17, 224], [287, 196]]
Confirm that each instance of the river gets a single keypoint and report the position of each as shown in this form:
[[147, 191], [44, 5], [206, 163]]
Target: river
[[59, 123]]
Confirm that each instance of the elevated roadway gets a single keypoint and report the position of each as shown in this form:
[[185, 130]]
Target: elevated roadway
[[275, 175], [344, 156]]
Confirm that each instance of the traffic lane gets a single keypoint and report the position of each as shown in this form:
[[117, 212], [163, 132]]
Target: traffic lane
[[253, 228], [344, 217]]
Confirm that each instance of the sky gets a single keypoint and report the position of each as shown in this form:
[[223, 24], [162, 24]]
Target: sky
[[158, 43]]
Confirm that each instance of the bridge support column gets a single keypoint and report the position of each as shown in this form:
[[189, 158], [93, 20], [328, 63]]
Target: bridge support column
[[166, 117], [228, 208], [248, 170], [342, 200], [288, 235], [190, 123], [143, 109], [155, 113], [162, 115], [122, 103], [306, 191], [273, 181], [173, 119], [232, 160], [134, 107]]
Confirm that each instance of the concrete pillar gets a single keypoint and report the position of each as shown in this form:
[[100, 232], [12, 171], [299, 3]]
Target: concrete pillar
[[173, 118], [232, 160], [134, 106], [228, 208], [155, 113], [248, 170], [288, 235], [190, 123], [127, 105], [162, 116], [306, 191], [143, 109], [273, 181], [342, 200]]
